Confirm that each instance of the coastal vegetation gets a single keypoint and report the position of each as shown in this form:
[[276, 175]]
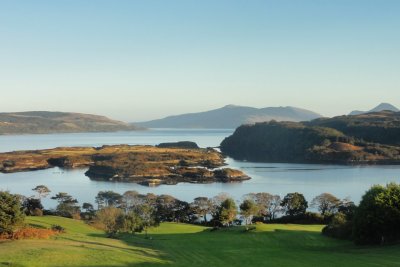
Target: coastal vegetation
[[361, 139], [146, 165], [376, 127], [374, 221], [150, 230]]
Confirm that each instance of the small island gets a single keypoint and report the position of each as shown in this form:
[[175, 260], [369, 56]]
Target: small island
[[147, 165]]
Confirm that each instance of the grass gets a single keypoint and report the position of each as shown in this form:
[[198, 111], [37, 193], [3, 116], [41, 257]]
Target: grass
[[174, 244]]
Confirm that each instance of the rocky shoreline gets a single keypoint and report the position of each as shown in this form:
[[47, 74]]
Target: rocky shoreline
[[147, 165]]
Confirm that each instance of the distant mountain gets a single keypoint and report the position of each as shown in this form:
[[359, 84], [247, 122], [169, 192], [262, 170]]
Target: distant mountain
[[231, 116], [41, 122], [380, 107]]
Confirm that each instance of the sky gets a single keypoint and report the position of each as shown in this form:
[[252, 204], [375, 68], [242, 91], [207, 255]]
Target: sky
[[140, 60]]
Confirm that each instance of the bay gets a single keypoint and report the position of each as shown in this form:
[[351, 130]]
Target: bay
[[275, 178]]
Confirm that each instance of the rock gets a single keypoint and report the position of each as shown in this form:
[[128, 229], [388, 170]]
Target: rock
[[181, 144]]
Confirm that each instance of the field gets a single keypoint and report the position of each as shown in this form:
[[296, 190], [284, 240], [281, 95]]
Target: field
[[186, 245]]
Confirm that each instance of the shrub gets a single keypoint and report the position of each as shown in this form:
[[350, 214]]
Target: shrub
[[11, 214], [377, 218], [33, 233], [58, 228], [37, 212], [306, 218], [340, 227]]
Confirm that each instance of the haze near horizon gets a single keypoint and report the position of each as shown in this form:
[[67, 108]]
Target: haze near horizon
[[137, 61]]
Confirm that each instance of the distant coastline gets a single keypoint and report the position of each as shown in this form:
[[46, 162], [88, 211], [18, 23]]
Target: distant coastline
[[46, 122]]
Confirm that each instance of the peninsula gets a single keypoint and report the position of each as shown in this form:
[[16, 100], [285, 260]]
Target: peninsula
[[46, 122], [372, 138]]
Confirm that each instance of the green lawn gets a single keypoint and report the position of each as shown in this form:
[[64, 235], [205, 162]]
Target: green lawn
[[187, 245]]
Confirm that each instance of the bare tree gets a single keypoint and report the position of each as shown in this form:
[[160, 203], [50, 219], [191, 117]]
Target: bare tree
[[42, 191], [326, 203]]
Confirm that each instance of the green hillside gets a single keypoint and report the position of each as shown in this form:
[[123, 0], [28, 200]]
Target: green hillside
[[187, 245], [44, 122], [378, 127], [371, 138]]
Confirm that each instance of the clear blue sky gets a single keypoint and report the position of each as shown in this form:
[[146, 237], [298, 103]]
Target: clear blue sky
[[138, 60]]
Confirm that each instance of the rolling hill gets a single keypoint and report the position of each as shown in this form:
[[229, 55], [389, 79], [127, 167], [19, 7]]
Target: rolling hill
[[231, 116], [43, 122]]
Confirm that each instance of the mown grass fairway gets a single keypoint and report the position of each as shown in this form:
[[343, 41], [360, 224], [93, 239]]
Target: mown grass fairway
[[187, 245]]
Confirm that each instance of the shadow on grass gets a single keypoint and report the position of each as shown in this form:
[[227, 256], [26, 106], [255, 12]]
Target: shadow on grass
[[238, 247], [103, 245], [35, 225], [10, 263]]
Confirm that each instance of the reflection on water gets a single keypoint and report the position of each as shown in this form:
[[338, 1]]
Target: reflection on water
[[276, 178]]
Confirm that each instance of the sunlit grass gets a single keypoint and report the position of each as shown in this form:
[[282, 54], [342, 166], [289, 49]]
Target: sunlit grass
[[174, 244]]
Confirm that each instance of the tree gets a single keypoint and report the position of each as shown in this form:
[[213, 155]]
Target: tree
[[274, 207], [150, 199], [112, 219], [216, 203], [348, 208], [132, 222], [170, 209], [32, 206], [326, 203], [202, 206], [294, 204], [89, 211], [42, 191], [131, 199], [11, 215], [108, 198], [165, 206], [227, 212], [248, 209], [88, 207], [67, 205], [377, 218], [147, 216], [268, 205], [183, 212]]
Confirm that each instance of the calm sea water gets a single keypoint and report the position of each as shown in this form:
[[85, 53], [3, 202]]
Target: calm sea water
[[309, 179]]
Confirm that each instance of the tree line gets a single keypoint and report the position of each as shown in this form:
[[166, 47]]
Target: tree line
[[374, 221]]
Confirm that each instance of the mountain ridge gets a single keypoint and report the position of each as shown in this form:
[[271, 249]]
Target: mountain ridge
[[231, 116]]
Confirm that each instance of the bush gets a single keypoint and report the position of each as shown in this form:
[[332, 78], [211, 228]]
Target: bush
[[33, 233], [340, 227], [58, 228], [11, 215], [306, 218], [37, 212], [377, 219], [32, 206]]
